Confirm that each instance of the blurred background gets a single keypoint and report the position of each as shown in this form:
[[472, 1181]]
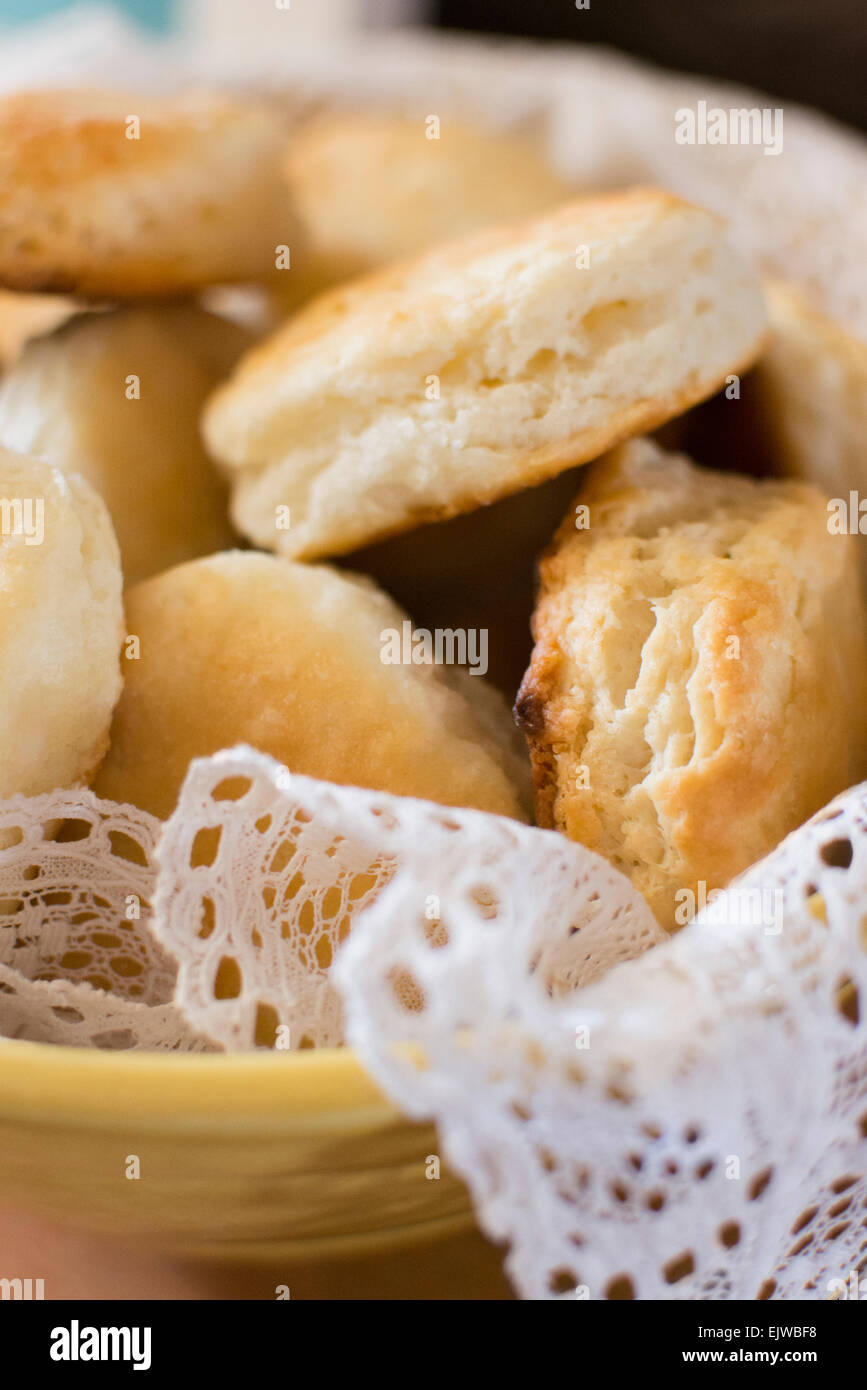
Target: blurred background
[[794, 49]]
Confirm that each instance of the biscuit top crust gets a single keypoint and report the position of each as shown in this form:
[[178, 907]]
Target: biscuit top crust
[[92, 204], [52, 140], [57, 136], [384, 303]]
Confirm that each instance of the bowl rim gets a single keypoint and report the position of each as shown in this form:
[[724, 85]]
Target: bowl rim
[[87, 1084]]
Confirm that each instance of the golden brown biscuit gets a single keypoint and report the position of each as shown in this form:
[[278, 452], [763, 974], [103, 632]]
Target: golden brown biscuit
[[372, 187], [116, 397], [93, 204], [485, 367], [698, 683], [61, 625], [247, 648]]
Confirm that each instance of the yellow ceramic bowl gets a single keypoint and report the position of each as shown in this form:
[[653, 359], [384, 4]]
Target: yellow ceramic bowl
[[256, 1157]]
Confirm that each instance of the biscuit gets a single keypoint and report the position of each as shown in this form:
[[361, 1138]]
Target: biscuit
[[372, 187], [440, 384], [800, 413], [249, 648], [698, 682], [116, 396], [61, 626], [197, 198], [810, 388], [25, 316]]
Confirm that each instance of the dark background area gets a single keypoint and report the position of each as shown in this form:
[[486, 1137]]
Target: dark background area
[[811, 51]]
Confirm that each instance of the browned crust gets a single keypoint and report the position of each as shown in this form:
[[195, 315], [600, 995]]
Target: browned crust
[[531, 707], [142, 281], [59, 148]]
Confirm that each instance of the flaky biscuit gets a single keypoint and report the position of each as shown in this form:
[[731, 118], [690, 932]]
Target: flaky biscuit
[[443, 383], [61, 626], [373, 187], [116, 397], [196, 199], [249, 648], [698, 682]]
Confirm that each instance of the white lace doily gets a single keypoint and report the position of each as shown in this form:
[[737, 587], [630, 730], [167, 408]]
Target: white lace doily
[[78, 962], [262, 874], [222, 926], [688, 1122], [260, 877], [692, 1126]]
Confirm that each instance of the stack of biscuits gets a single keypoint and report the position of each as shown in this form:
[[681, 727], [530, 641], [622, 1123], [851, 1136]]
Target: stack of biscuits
[[574, 434]]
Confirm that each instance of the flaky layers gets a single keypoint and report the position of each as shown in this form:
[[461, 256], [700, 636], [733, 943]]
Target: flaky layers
[[443, 383], [698, 682], [246, 648]]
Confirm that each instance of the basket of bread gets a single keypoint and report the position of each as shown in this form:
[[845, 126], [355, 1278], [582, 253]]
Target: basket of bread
[[435, 656]]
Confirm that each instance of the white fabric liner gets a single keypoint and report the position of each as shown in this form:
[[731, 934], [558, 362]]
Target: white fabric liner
[[693, 1125]]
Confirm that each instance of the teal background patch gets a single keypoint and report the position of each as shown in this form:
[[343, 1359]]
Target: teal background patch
[[152, 14]]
